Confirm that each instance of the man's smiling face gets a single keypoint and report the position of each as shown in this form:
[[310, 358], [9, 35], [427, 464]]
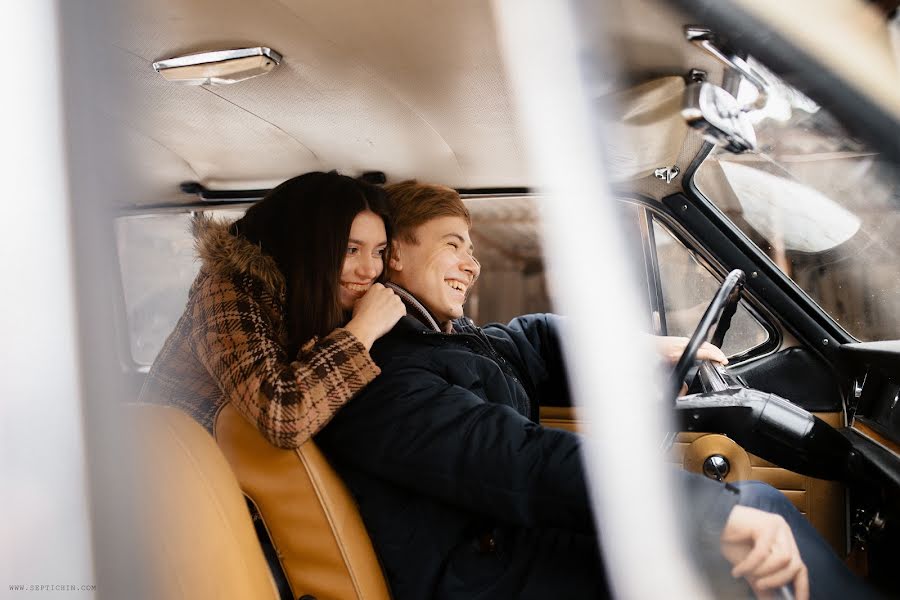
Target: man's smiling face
[[438, 268]]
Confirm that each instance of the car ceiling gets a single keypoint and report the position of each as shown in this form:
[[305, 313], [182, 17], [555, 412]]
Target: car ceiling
[[414, 89], [411, 89]]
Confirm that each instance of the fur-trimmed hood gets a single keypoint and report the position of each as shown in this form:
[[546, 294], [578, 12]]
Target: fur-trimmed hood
[[226, 254]]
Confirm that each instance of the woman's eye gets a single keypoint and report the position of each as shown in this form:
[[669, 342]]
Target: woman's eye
[[380, 252], [455, 245], [351, 251]]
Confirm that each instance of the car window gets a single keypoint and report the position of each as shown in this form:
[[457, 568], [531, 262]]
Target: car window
[[822, 206], [687, 288], [508, 246], [158, 265], [679, 284]]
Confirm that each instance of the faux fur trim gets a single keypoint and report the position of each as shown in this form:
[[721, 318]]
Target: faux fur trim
[[226, 254]]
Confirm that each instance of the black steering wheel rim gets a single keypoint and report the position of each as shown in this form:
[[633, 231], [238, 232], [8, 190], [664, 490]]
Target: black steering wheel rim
[[726, 299]]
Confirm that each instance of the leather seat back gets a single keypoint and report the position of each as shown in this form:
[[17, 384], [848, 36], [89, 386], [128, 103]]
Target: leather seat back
[[192, 517], [311, 517]]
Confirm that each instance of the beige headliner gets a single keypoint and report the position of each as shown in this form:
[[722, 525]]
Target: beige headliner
[[848, 36], [411, 88]]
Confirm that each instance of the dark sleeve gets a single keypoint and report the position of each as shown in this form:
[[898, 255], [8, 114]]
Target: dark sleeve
[[413, 428], [536, 341]]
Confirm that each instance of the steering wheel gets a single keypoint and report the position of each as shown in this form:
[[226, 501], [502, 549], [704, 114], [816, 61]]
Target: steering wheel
[[718, 314], [763, 423]]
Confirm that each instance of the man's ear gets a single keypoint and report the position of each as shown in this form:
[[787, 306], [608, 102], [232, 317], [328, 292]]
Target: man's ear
[[395, 263]]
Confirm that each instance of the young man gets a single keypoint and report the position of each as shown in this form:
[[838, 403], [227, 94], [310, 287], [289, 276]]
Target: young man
[[464, 494]]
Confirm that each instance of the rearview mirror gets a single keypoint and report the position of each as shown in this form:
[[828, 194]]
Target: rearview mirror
[[718, 117]]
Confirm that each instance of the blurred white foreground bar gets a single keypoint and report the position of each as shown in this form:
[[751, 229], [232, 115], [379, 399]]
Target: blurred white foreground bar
[[44, 531], [609, 360]]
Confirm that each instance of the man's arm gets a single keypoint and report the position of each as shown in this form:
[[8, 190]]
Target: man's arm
[[759, 545], [535, 341], [415, 429]]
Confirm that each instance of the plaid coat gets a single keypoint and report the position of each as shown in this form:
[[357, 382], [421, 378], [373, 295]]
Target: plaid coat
[[229, 346]]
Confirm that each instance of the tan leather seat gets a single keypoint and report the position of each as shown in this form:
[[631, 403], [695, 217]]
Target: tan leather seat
[[311, 517], [191, 514]]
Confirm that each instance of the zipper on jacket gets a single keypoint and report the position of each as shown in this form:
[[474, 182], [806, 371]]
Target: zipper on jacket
[[487, 350], [530, 392], [498, 357]]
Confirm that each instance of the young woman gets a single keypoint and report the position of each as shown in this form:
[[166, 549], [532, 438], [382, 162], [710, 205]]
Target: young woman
[[285, 308]]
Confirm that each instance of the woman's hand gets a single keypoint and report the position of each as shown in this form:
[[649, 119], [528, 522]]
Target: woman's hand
[[762, 549], [375, 314], [671, 349]]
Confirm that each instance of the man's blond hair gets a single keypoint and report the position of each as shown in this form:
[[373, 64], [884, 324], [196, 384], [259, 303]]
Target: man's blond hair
[[412, 204]]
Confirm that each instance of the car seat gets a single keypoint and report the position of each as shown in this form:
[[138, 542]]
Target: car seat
[[312, 520], [191, 517]]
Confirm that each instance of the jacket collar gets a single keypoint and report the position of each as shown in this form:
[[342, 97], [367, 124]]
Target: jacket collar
[[416, 309], [226, 254], [423, 316]]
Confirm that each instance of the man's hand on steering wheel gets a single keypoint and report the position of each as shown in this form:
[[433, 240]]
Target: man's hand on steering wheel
[[671, 348]]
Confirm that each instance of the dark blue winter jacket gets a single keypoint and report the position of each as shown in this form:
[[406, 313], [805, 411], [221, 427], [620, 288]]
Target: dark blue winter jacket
[[447, 462]]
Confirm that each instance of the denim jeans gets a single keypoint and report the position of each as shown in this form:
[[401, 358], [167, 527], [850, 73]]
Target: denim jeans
[[829, 577]]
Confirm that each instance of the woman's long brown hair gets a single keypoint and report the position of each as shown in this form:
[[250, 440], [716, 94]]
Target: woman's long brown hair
[[304, 224]]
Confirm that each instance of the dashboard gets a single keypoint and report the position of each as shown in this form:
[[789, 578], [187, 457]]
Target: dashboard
[[875, 404]]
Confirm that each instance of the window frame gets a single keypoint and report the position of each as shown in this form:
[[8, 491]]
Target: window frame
[[742, 243], [648, 210], [810, 304], [122, 325]]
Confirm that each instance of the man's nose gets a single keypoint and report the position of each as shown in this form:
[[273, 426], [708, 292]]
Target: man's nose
[[470, 265]]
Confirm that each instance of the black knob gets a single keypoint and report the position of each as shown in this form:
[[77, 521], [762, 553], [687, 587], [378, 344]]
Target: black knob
[[716, 467]]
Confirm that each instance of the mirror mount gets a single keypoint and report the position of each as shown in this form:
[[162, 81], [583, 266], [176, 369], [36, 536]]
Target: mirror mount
[[706, 40]]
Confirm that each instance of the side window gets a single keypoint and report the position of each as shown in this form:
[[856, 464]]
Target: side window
[[157, 264], [507, 244], [687, 287], [679, 285]]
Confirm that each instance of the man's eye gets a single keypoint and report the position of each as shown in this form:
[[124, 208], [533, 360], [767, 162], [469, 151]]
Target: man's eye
[[455, 245]]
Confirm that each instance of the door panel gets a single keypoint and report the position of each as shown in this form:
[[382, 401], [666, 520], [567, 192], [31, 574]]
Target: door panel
[[561, 417], [822, 502]]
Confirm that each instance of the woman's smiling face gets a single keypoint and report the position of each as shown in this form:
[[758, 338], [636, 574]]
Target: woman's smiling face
[[364, 261]]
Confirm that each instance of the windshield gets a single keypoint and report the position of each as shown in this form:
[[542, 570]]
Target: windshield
[[821, 205]]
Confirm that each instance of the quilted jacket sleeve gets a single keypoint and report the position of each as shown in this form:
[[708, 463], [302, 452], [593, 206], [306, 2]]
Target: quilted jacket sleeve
[[236, 340], [415, 429], [535, 340], [705, 504]]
